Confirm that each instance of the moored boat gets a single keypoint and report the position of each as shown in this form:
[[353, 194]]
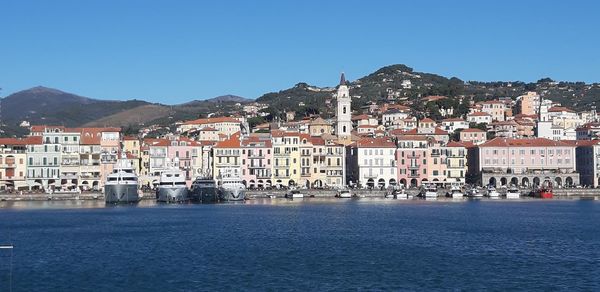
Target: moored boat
[[429, 191], [455, 191], [492, 192], [513, 193], [344, 193], [171, 186], [121, 185], [231, 188], [204, 189]]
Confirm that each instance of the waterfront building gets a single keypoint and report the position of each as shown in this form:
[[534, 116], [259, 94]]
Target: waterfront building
[[588, 162], [456, 161], [69, 140], [133, 148], [158, 159], [227, 158], [43, 158], [326, 165], [286, 158], [375, 159], [13, 162], [411, 160], [186, 151], [527, 162], [90, 150], [257, 154]]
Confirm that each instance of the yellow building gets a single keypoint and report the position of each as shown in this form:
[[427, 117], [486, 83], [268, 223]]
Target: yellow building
[[286, 158], [456, 162], [133, 148]]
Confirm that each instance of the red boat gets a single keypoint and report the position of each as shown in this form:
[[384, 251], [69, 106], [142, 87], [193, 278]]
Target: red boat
[[544, 193]]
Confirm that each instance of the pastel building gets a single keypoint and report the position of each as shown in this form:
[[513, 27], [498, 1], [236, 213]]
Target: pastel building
[[257, 155], [473, 135], [227, 158], [13, 163], [527, 162], [375, 159], [286, 158], [411, 159]]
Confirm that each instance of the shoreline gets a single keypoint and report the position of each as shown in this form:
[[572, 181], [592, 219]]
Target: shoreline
[[584, 194]]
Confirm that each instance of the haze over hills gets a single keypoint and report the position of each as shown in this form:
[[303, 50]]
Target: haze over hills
[[395, 83]]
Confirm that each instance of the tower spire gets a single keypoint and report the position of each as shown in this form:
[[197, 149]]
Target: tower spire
[[343, 79]]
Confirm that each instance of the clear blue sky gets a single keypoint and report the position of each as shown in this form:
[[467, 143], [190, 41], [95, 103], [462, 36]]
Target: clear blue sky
[[175, 51]]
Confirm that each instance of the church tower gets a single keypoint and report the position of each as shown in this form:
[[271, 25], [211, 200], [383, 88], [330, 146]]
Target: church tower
[[344, 111]]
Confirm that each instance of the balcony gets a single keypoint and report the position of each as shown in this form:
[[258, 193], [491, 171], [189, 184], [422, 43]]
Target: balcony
[[435, 153], [414, 166], [256, 166], [413, 175], [370, 175], [413, 156]]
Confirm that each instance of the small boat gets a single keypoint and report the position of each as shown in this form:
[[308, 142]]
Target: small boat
[[455, 191], [513, 193], [429, 192], [294, 194], [344, 193], [475, 192], [544, 192], [492, 193]]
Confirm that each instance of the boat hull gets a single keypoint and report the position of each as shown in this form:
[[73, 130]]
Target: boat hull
[[171, 194], [232, 195], [121, 194], [204, 195], [513, 195]]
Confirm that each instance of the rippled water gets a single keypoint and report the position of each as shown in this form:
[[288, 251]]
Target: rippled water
[[309, 245]]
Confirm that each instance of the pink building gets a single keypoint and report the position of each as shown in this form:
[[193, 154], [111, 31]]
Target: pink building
[[186, 150], [505, 161], [257, 155], [474, 135], [411, 158]]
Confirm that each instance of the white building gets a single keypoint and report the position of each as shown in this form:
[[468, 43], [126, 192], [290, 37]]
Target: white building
[[451, 125], [376, 162], [479, 118]]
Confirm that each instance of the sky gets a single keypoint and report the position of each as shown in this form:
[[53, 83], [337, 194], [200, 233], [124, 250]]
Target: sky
[[176, 51]]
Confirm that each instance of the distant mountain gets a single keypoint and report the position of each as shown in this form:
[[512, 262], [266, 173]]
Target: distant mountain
[[42, 105], [230, 98]]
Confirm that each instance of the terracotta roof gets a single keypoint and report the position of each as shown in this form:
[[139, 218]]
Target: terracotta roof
[[232, 142], [157, 142], [491, 102], [455, 144], [556, 109], [439, 131], [130, 138], [453, 120], [412, 138], [376, 143], [426, 120], [90, 136], [367, 127], [535, 142], [472, 130], [211, 129], [479, 114], [212, 121], [360, 117], [317, 141], [33, 140]]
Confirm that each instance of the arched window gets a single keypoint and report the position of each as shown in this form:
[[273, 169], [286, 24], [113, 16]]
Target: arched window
[[344, 128], [344, 111]]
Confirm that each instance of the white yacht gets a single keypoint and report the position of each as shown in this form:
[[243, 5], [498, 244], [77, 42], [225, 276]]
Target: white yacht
[[492, 193], [475, 192], [294, 194], [231, 188], [121, 186], [344, 193], [429, 191], [171, 186], [455, 191], [513, 193]]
